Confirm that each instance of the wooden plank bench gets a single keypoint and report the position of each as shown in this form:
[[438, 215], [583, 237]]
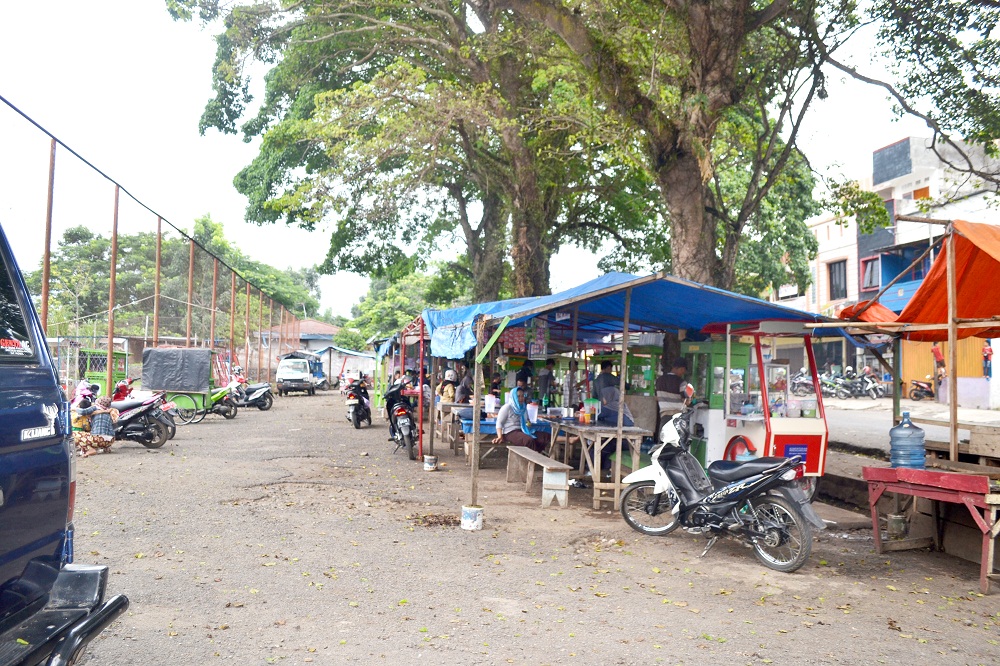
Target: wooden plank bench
[[521, 463]]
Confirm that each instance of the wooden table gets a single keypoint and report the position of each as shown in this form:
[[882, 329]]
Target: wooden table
[[599, 436], [976, 492], [448, 426]]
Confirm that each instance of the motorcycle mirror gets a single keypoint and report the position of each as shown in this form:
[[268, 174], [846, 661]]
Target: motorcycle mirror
[[689, 391]]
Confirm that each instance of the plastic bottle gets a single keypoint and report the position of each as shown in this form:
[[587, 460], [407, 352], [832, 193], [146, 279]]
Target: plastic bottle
[[906, 445]]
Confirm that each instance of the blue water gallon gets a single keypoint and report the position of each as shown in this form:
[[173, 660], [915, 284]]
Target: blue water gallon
[[906, 445]]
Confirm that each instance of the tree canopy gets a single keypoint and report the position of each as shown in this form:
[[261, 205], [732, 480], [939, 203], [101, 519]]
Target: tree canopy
[[667, 126]]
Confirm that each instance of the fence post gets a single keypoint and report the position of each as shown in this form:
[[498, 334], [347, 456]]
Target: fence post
[[190, 298], [215, 296], [260, 332], [246, 332], [156, 284], [111, 296], [47, 256], [232, 318]]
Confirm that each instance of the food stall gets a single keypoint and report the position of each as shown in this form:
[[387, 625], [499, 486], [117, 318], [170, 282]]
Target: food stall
[[754, 414]]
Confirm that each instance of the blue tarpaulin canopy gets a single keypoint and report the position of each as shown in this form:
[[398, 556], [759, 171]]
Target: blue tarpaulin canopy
[[660, 302], [451, 331]]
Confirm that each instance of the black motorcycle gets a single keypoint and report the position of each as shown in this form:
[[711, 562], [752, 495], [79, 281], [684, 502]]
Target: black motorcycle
[[400, 413], [254, 395], [758, 502], [143, 421], [357, 403]]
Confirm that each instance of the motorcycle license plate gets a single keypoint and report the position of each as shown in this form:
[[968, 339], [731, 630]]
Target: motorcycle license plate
[[403, 421], [351, 402]]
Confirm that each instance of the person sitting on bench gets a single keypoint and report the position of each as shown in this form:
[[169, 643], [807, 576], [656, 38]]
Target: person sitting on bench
[[513, 426]]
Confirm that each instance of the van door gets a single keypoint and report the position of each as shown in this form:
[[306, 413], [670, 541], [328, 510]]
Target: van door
[[35, 452]]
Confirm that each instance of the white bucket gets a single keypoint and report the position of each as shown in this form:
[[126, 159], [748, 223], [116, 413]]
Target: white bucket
[[532, 411], [430, 463], [490, 403], [472, 518]]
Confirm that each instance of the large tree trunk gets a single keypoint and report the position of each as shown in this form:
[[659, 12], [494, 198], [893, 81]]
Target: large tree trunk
[[692, 231], [486, 254]]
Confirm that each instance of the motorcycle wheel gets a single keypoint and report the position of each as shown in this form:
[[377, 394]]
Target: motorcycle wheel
[[801, 391], [636, 503], [843, 394], [916, 395], [159, 433], [265, 402], [185, 407], [786, 539], [356, 420], [873, 393], [410, 449], [228, 409]]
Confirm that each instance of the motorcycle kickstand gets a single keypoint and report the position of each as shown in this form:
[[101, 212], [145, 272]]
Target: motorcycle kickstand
[[708, 546]]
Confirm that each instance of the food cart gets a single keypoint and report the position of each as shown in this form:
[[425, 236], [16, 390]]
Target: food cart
[[753, 414]]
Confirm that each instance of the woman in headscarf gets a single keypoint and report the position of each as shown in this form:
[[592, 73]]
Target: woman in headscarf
[[513, 426]]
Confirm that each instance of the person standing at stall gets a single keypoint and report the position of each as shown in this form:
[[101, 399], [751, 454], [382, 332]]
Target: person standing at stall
[[606, 379], [546, 380], [987, 359], [670, 391]]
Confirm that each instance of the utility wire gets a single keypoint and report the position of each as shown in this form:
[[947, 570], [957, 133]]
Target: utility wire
[[130, 195]]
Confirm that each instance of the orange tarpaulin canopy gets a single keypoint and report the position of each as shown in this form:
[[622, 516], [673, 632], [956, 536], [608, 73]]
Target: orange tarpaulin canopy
[[977, 269]]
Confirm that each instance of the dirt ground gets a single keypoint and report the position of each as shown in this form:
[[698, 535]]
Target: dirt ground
[[289, 537]]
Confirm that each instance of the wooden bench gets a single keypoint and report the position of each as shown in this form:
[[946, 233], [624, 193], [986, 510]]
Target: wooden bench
[[521, 463], [976, 492]]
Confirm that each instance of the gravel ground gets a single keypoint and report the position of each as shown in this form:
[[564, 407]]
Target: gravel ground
[[288, 537]]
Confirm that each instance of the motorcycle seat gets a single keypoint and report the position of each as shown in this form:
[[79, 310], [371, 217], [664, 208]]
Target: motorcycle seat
[[122, 405], [734, 470], [253, 387]]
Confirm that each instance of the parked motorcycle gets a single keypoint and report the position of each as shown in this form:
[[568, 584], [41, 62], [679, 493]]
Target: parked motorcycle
[[802, 383], [245, 394], [357, 403], [142, 420], [123, 392], [757, 502], [833, 386], [920, 390], [400, 413]]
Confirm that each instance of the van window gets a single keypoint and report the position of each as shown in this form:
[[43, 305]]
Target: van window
[[295, 366], [15, 345]]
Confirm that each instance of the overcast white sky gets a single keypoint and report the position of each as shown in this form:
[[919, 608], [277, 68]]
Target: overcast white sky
[[124, 86]]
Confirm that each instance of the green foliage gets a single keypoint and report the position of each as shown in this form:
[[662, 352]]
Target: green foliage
[[850, 200]]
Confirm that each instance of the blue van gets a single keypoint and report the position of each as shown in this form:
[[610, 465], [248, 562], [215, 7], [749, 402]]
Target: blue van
[[50, 609]]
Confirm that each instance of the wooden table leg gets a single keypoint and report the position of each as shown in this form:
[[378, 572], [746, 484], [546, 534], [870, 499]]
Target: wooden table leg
[[875, 491]]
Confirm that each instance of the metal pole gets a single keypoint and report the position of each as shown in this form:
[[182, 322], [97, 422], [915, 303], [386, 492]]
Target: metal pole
[[232, 319], [952, 347], [47, 256], [246, 333], [260, 332], [190, 299], [111, 296], [156, 285], [621, 404], [476, 391], [215, 297], [283, 326], [270, 337]]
